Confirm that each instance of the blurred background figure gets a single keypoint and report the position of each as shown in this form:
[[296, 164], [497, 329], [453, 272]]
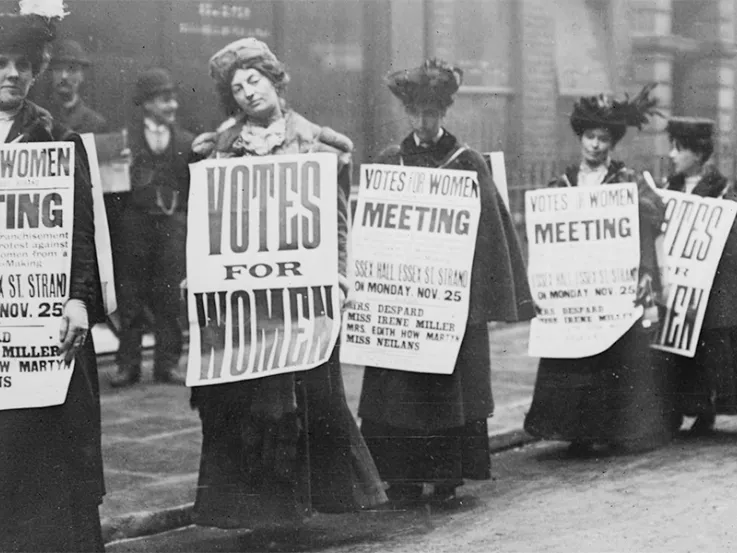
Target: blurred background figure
[[68, 62], [149, 254]]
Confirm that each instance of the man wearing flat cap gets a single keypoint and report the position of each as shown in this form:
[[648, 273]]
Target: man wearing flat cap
[[68, 62], [707, 383], [151, 251]]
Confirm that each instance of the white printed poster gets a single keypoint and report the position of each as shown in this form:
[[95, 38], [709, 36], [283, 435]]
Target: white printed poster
[[584, 249], [412, 243], [102, 230], [696, 230], [114, 167], [36, 217], [262, 266]]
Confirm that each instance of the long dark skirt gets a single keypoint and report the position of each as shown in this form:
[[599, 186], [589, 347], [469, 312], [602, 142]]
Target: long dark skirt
[[446, 456], [255, 473], [430, 427], [621, 397], [51, 470], [707, 383]]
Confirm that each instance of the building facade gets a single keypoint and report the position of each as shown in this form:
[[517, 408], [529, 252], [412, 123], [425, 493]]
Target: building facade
[[525, 63]]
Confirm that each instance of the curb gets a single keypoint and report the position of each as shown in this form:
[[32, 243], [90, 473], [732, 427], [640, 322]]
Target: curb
[[146, 523]]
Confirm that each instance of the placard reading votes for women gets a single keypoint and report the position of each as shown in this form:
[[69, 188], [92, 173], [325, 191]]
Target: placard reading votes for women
[[36, 219], [262, 266], [695, 232], [584, 246], [413, 241]]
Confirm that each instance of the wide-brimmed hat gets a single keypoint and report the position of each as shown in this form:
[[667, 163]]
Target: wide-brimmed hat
[[152, 82], [603, 111], [432, 84], [30, 27], [244, 52], [698, 128], [69, 51]]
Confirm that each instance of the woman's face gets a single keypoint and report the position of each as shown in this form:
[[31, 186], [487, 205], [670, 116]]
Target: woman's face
[[685, 161], [16, 78], [596, 145], [425, 122], [255, 94]]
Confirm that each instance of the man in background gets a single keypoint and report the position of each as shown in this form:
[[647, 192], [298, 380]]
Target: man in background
[[68, 62], [151, 257]]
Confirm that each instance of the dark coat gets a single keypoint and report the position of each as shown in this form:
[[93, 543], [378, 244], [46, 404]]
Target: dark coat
[[168, 172], [499, 292], [721, 311], [80, 118], [620, 396], [50, 458]]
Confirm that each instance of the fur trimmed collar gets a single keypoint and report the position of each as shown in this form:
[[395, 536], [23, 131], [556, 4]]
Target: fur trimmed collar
[[712, 184], [301, 135]]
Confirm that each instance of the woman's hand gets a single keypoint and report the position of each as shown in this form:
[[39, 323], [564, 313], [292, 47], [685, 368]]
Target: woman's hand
[[74, 328], [646, 298], [204, 144], [344, 303], [645, 295]]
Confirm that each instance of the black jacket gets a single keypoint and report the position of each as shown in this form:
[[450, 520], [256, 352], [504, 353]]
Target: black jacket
[[168, 172], [50, 457], [34, 124]]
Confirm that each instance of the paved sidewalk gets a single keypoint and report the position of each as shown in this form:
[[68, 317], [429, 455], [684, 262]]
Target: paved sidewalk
[[151, 437]]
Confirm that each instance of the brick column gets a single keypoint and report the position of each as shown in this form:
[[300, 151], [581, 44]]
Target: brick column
[[534, 123], [709, 80], [652, 61], [397, 41]]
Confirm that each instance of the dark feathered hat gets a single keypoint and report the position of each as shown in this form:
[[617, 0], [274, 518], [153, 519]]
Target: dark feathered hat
[[29, 27], [152, 82], [602, 111], [432, 84]]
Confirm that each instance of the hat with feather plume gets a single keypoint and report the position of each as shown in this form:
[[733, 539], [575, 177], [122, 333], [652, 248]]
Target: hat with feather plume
[[603, 111], [432, 84], [29, 27]]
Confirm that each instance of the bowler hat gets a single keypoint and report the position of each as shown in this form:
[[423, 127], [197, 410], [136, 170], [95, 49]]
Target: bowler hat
[[69, 51], [152, 82], [432, 84]]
